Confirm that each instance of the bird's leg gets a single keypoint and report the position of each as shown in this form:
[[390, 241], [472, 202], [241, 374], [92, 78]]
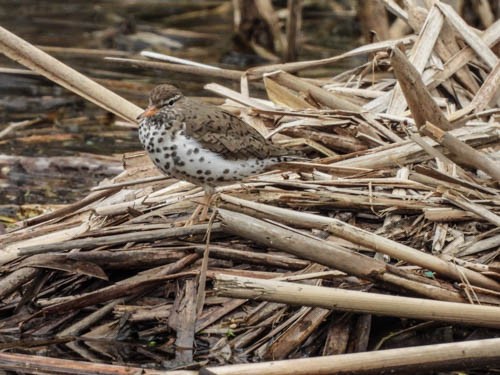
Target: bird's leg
[[207, 200], [200, 213], [194, 216]]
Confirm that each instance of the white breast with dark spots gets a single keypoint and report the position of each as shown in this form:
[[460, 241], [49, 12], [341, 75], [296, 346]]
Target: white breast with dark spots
[[184, 158]]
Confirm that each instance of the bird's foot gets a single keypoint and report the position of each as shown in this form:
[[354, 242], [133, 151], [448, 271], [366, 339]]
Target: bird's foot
[[200, 213]]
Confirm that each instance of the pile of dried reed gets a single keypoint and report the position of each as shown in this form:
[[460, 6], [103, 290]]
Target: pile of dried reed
[[397, 215]]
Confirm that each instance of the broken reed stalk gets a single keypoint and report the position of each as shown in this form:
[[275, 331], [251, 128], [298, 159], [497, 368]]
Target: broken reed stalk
[[234, 75], [116, 239], [406, 152], [462, 150], [47, 365], [451, 356], [132, 285], [468, 34], [428, 34], [32, 57], [292, 67], [434, 152], [355, 301], [329, 99], [469, 206], [318, 93], [70, 208], [460, 59], [484, 95], [326, 253], [15, 280], [360, 237], [82, 325], [419, 99]]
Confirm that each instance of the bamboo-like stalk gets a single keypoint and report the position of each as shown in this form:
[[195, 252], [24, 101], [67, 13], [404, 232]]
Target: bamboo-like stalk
[[446, 46], [419, 99], [407, 152], [355, 301], [349, 262], [70, 208], [126, 287], [462, 150], [32, 57], [324, 252], [460, 59], [466, 32], [81, 325], [115, 239], [329, 99], [472, 207], [319, 94], [47, 365], [14, 280], [257, 72], [370, 240], [185, 69], [451, 356], [419, 55]]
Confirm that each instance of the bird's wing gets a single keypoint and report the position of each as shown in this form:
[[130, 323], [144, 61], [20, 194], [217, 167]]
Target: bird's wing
[[222, 132]]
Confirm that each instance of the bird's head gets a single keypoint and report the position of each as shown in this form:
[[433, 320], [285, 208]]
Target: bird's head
[[162, 96]]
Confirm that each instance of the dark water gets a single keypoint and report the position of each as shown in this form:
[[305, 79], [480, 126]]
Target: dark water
[[201, 31]]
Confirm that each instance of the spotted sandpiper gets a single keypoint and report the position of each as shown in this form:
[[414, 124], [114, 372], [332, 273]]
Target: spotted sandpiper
[[201, 143]]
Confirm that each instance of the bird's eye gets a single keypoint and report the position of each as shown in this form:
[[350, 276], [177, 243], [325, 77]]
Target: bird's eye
[[172, 100]]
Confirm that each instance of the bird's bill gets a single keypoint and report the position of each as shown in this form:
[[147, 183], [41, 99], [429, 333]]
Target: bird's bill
[[150, 111]]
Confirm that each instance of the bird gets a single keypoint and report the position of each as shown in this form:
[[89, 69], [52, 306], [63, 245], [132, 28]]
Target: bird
[[202, 143]]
